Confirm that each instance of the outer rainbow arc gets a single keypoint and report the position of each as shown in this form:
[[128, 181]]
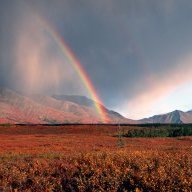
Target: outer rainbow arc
[[79, 69], [87, 82]]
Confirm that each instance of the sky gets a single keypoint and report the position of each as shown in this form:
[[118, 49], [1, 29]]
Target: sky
[[137, 53]]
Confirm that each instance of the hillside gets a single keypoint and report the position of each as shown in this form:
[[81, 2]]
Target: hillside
[[18, 108]]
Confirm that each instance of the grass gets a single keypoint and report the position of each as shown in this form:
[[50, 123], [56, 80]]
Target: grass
[[5, 125], [88, 158], [161, 131]]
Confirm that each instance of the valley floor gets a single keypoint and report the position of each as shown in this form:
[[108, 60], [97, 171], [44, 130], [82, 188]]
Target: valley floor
[[91, 158]]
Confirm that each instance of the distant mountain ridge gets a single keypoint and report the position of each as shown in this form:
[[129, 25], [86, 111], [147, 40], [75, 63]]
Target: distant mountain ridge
[[18, 108], [58, 109], [177, 117], [78, 99], [85, 101]]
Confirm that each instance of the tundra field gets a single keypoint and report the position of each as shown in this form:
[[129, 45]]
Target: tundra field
[[92, 158]]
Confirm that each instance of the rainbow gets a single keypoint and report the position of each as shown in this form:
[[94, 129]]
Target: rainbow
[[75, 63]]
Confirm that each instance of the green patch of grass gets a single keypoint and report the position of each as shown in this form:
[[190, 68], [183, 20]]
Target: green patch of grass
[[5, 125], [164, 131]]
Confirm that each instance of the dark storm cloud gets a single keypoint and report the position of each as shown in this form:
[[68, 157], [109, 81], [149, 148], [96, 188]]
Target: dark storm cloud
[[121, 44], [10, 13]]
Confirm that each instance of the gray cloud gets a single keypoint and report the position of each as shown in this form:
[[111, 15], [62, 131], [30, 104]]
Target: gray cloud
[[121, 44]]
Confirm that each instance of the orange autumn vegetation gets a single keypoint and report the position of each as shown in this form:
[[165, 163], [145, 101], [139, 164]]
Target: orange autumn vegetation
[[89, 158]]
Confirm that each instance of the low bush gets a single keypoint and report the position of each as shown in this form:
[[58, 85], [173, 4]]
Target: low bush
[[159, 132]]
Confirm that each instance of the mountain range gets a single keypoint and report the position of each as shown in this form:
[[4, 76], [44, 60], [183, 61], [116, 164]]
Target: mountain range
[[175, 117], [60, 109], [56, 109]]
